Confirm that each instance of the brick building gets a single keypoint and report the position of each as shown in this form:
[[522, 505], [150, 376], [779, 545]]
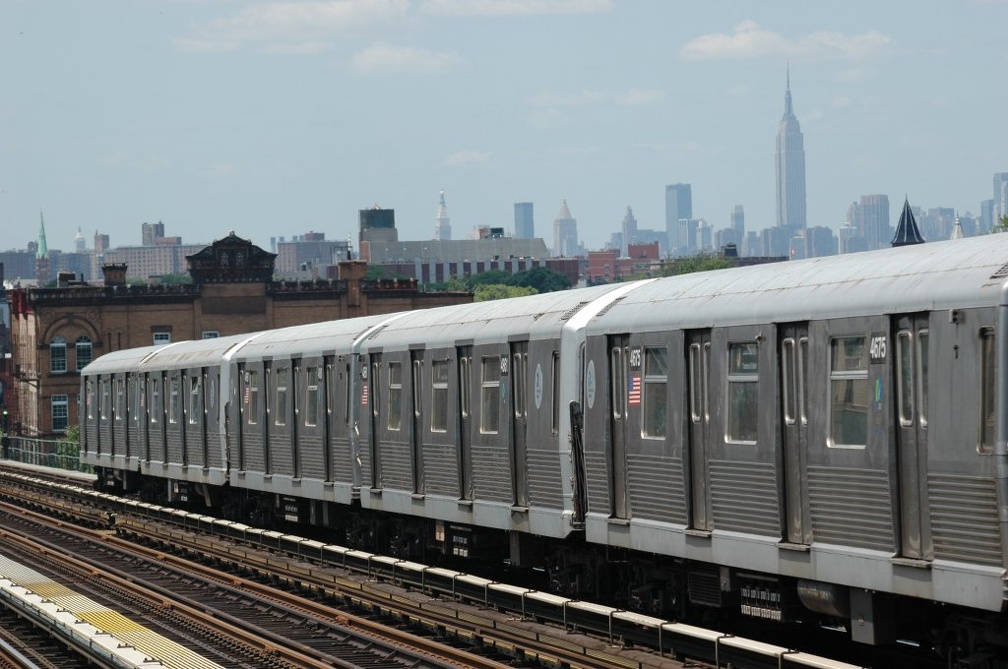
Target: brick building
[[56, 331]]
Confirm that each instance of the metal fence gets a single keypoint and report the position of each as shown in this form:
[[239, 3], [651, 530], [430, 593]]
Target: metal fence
[[57, 453]]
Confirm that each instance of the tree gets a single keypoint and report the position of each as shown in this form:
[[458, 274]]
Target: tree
[[499, 291], [701, 262], [542, 279], [1001, 225]]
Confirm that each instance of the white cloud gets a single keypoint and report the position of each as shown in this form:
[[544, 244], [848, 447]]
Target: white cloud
[[632, 97], [751, 41], [382, 58], [467, 157], [639, 96], [291, 27], [514, 7]]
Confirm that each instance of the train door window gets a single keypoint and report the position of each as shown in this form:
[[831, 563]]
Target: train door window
[[252, 396], [556, 392], [803, 356], [743, 397], [655, 392], [313, 380], [211, 392], [922, 376], [618, 382], [106, 403], [120, 402], [988, 408], [464, 364], [375, 368], [155, 400], [89, 398], [395, 395], [788, 378], [518, 366], [346, 393], [848, 392], [417, 389], [695, 372], [280, 415], [173, 400], [490, 378], [195, 400], [905, 377], [60, 404], [439, 396]]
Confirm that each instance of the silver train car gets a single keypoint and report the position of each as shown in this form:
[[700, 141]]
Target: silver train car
[[818, 441]]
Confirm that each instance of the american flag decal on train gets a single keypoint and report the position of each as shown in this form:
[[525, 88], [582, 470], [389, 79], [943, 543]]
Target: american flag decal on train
[[633, 393]]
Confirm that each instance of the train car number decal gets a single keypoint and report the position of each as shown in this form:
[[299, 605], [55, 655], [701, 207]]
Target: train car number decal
[[635, 358], [877, 348]]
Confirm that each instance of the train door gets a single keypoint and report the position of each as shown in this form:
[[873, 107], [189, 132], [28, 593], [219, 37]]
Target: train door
[[519, 431], [464, 354], [698, 352], [416, 436], [910, 337], [619, 393], [793, 361]]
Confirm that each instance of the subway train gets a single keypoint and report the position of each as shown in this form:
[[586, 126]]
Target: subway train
[[817, 441]]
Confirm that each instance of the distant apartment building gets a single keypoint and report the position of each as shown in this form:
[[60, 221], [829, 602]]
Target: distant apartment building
[[309, 256], [610, 266]]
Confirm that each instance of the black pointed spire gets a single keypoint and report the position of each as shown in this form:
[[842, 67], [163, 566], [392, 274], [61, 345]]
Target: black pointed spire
[[906, 231], [788, 108]]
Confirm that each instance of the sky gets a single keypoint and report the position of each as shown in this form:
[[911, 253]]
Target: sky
[[280, 118]]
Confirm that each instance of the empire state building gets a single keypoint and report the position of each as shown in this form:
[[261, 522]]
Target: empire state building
[[790, 168]]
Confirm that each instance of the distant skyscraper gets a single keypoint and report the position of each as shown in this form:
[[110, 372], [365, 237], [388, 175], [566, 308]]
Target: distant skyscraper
[[523, 220], [151, 232], [678, 206], [565, 240], [442, 228], [738, 223], [1000, 195], [629, 232], [790, 168]]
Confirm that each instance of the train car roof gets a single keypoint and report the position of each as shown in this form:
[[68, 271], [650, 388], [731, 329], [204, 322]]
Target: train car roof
[[313, 338], [125, 360], [958, 273], [193, 352], [535, 315]]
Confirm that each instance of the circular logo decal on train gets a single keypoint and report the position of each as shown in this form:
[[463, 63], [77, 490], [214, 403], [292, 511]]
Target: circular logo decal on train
[[538, 386], [590, 384]]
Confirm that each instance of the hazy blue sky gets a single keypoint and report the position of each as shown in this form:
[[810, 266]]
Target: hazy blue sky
[[276, 118]]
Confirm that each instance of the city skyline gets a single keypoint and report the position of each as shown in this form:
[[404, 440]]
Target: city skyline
[[275, 118]]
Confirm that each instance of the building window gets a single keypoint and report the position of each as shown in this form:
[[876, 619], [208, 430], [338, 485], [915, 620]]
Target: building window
[[848, 392], [58, 355], [395, 396], [655, 392], [84, 352], [743, 398], [210, 334], [60, 413], [490, 394], [314, 380], [161, 338], [439, 396]]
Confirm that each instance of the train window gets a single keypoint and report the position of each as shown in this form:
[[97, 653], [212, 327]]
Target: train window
[[280, 410], [556, 392], [89, 398], [136, 398], [105, 405], [155, 400], [655, 392], [803, 356], [313, 379], [252, 396], [848, 392], [518, 383], [417, 389], [694, 381], [922, 376], [490, 375], [788, 375], [346, 392], [120, 403], [195, 401], [743, 396], [212, 392], [464, 380], [173, 400], [988, 408], [618, 382], [375, 368], [905, 377], [439, 396], [395, 395]]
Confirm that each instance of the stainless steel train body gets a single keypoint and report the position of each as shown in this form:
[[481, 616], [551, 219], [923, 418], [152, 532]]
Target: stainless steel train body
[[833, 427]]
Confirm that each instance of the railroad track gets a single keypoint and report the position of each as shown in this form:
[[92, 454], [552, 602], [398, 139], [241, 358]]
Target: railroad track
[[519, 633]]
